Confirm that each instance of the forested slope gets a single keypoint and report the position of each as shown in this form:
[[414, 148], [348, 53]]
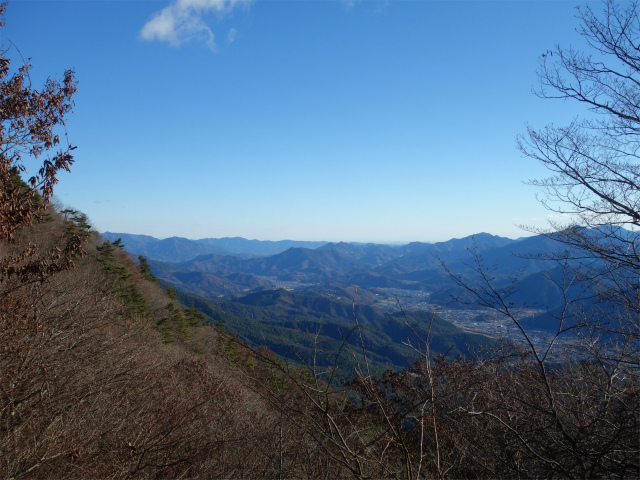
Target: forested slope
[[103, 375]]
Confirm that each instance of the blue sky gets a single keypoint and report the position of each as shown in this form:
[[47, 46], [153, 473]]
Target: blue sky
[[367, 120]]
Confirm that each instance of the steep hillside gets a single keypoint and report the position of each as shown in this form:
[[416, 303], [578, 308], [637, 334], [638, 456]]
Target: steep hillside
[[105, 376]]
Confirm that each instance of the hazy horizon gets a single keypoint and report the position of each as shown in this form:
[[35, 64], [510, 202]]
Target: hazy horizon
[[392, 243]]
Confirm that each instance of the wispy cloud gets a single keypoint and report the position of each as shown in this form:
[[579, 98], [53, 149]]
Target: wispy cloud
[[349, 4], [231, 36], [382, 8], [182, 21]]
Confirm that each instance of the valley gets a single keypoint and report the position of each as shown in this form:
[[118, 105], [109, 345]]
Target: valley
[[326, 282]]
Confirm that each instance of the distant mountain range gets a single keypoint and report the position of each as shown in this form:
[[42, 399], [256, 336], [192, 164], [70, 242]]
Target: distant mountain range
[[178, 249], [379, 265], [237, 268], [287, 258]]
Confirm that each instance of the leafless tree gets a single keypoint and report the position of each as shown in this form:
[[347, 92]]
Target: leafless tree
[[573, 410], [594, 162]]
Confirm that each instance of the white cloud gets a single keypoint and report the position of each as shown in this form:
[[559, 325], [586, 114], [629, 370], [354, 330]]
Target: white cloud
[[182, 21]]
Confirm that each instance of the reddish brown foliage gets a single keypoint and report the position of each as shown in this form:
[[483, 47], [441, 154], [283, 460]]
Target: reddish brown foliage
[[29, 119]]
